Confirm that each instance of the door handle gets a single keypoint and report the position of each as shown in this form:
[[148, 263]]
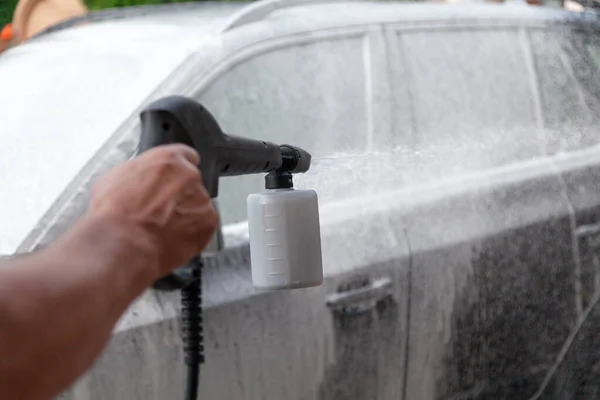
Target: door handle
[[372, 292]]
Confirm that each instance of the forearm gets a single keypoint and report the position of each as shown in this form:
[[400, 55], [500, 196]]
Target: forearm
[[58, 306]]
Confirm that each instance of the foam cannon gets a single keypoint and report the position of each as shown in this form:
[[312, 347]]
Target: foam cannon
[[285, 242]]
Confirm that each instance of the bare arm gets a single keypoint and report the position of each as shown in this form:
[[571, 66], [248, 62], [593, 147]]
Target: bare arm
[[58, 306]]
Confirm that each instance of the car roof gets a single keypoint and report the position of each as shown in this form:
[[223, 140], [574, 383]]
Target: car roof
[[40, 131]]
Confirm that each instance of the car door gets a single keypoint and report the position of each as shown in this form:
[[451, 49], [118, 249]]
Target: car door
[[324, 91], [575, 53], [495, 278]]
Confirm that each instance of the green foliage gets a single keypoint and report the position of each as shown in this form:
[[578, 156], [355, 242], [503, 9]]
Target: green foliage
[[100, 4], [7, 7]]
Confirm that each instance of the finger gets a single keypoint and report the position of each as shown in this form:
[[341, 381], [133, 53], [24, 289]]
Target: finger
[[198, 226], [193, 192], [192, 169], [187, 152], [179, 162], [204, 223], [179, 153], [192, 197], [189, 163], [200, 186]]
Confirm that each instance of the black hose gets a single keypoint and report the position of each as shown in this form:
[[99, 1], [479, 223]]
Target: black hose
[[193, 379], [191, 301]]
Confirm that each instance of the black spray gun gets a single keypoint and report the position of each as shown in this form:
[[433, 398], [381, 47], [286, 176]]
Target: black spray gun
[[285, 242]]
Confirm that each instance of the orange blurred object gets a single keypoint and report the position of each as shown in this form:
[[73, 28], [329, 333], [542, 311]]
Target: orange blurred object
[[6, 34]]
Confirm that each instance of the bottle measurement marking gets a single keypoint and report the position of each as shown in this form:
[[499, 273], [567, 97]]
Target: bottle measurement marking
[[273, 246]]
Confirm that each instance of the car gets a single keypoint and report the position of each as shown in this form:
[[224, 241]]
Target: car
[[455, 154]]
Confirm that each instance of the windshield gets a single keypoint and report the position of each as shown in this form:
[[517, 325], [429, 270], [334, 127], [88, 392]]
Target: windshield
[[62, 97]]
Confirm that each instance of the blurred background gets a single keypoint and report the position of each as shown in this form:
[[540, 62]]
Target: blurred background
[[7, 6]]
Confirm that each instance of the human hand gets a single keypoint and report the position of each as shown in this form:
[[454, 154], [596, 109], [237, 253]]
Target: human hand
[[160, 195]]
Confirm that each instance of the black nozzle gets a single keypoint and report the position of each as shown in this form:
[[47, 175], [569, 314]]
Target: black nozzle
[[279, 180], [293, 160]]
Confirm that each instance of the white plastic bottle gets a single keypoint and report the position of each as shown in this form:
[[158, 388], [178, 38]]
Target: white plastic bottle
[[285, 239]]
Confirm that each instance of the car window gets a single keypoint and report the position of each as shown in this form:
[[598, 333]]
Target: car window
[[311, 95], [567, 70], [472, 102], [478, 99]]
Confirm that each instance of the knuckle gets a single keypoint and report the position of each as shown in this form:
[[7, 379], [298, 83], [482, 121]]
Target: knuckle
[[175, 168], [190, 183], [167, 156], [171, 156], [193, 173], [161, 152]]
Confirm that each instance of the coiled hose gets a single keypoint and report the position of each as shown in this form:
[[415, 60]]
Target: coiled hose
[[191, 302]]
